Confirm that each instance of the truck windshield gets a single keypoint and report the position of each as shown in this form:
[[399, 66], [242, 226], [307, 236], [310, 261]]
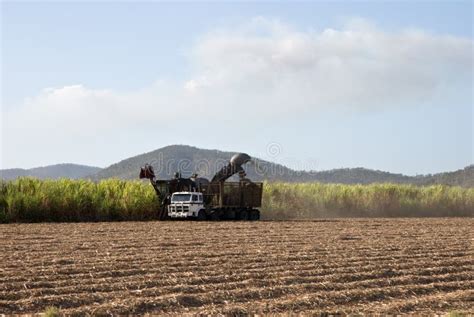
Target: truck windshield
[[181, 197]]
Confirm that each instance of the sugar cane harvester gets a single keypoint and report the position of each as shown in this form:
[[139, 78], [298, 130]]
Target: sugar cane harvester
[[201, 199]]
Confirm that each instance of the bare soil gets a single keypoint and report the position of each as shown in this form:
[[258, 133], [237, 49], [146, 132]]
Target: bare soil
[[334, 266]]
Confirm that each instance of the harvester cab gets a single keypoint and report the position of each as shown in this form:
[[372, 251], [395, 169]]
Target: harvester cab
[[187, 205]]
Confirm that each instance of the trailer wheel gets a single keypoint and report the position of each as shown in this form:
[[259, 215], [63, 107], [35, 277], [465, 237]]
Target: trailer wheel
[[254, 215], [201, 215], [215, 216], [229, 215], [243, 215]]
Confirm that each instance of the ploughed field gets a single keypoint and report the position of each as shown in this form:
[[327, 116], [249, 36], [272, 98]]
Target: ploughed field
[[346, 266]]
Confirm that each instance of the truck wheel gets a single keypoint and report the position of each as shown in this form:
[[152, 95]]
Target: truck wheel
[[243, 215], [254, 215], [201, 215]]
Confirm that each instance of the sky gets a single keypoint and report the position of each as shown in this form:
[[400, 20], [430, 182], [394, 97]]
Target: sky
[[312, 85]]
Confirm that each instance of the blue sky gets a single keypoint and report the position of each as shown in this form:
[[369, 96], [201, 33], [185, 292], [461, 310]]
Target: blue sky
[[346, 84]]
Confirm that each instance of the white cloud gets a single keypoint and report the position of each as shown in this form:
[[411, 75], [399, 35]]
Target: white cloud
[[359, 67], [260, 70]]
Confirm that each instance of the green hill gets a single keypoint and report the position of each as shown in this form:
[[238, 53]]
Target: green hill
[[463, 177], [188, 159]]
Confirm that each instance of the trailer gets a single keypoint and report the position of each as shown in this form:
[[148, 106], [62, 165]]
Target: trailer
[[201, 199]]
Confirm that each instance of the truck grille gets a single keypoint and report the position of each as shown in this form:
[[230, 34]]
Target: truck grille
[[179, 208]]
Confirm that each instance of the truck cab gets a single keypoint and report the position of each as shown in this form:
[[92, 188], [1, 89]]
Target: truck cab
[[186, 205]]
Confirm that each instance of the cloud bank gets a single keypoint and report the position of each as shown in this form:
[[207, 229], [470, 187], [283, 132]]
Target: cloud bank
[[263, 69]]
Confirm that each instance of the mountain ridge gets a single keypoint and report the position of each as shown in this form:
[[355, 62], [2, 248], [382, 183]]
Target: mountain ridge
[[67, 170], [205, 162]]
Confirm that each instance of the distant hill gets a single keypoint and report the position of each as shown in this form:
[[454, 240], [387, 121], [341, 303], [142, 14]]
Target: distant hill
[[170, 159], [51, 171], [187, 159], [463, 177]]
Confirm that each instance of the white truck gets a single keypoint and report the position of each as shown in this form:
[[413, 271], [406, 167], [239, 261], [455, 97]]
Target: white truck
[[187, 205]]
